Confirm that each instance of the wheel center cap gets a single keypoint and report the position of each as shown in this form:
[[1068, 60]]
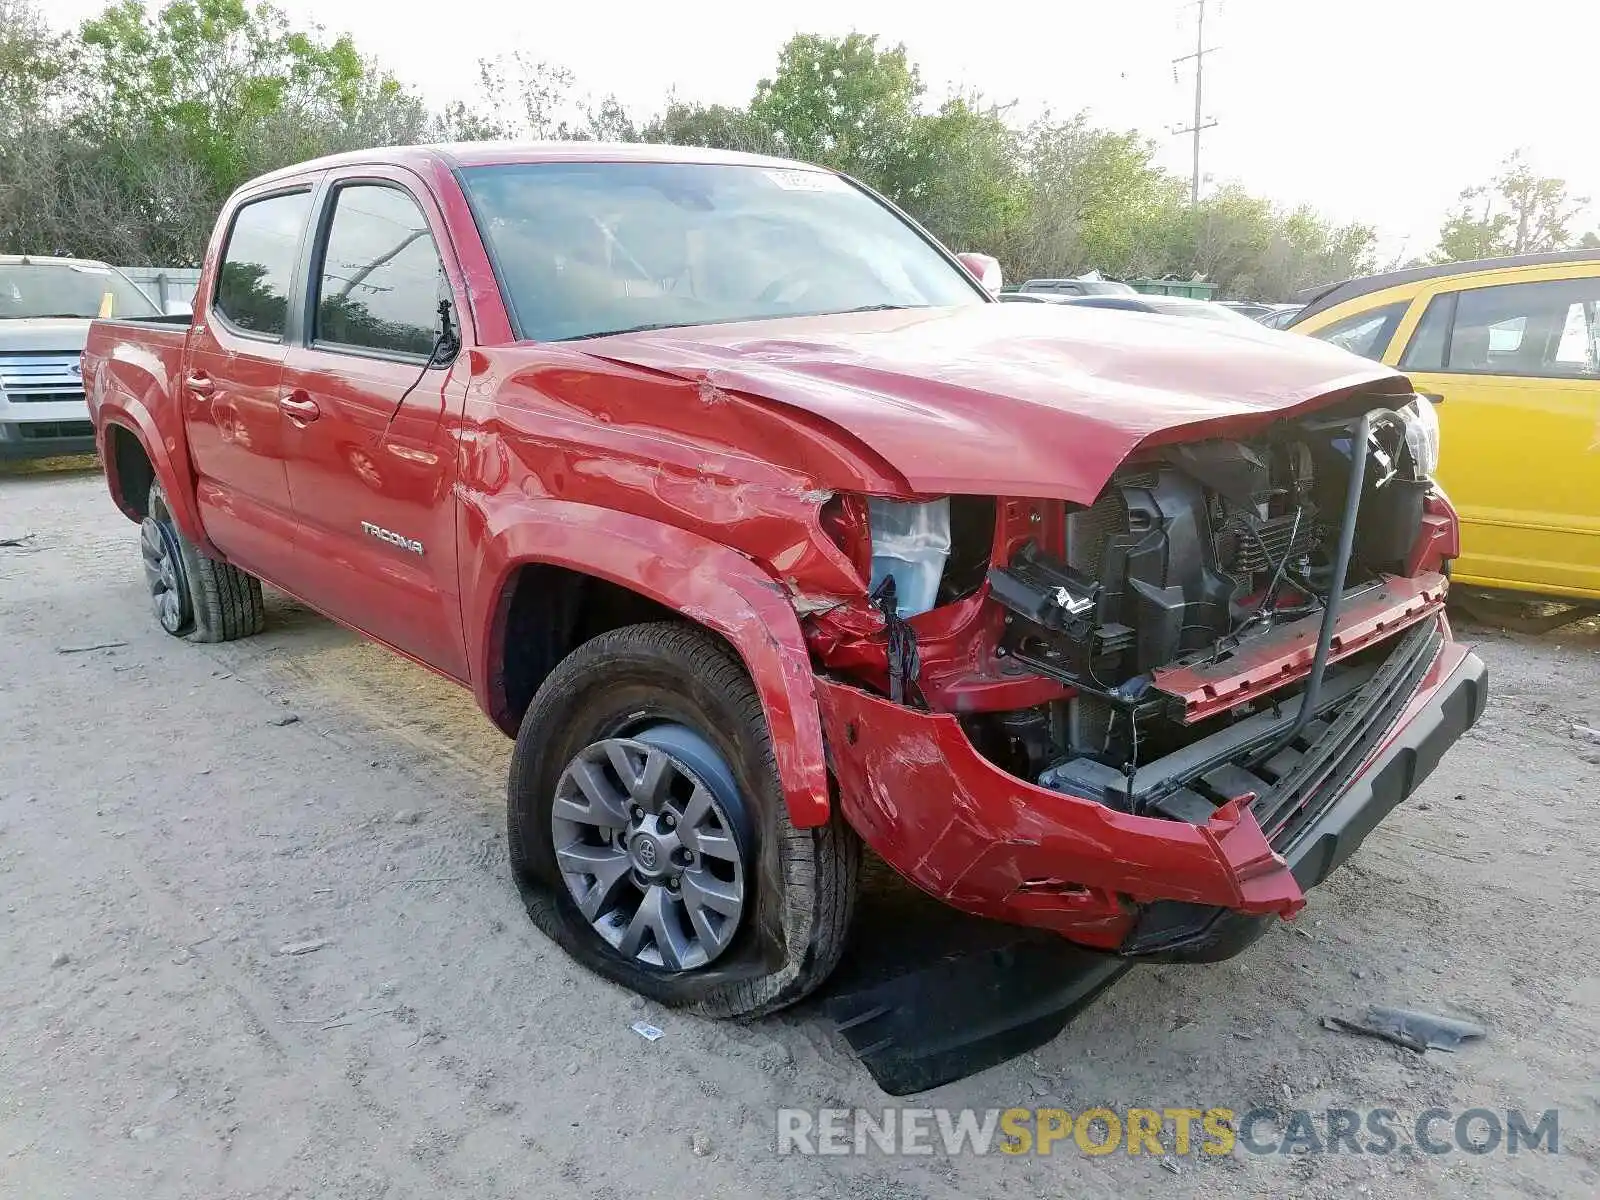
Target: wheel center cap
[[647, 853]]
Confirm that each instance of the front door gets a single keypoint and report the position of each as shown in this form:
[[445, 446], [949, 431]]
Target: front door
[[230, 383], [1518, 368], [370, 415]]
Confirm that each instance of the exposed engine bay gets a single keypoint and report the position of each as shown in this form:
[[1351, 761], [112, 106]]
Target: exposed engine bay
[[1193, 562]]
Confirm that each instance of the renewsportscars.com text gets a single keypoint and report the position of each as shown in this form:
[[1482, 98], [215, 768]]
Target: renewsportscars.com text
[[1164, 1131]]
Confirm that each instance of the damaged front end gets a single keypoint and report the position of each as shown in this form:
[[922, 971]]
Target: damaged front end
[[1152, 721]]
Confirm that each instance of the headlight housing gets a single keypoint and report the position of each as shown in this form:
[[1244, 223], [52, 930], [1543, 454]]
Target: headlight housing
[[910, 543], [1422, 434]]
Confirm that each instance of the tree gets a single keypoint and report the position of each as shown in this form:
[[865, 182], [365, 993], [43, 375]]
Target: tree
[[1092, 200], [958, 174], [1250, 248], [522, 97], [842, 103], [122, 139], [716, 126], [30, 74], [177, 107], [1517, 212], [30, 60]]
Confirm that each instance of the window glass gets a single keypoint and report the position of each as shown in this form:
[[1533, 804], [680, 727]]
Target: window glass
[[1535, 329], [381, 278], [1366, 333], [585, 249], [258, 263], [41, 287], [1426, 350], [1579, 347]]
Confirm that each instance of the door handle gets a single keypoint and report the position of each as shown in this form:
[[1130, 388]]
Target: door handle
[[199, 383], [299, 408]]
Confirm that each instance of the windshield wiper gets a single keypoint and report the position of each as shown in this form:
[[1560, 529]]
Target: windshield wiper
[[55, 316], [599, 333], [839, 312]]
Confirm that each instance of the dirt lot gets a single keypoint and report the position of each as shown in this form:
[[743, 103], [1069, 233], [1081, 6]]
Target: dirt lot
[[164, 834]]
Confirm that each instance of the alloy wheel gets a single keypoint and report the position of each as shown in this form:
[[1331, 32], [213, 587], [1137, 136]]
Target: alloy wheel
[[163, 574], [648, 834]]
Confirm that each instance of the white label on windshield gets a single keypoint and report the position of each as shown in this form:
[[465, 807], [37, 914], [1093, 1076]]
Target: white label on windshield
[[808, 181]]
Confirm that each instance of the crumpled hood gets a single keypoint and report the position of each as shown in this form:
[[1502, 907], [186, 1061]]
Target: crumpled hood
[[43, 335], [1012, 400]]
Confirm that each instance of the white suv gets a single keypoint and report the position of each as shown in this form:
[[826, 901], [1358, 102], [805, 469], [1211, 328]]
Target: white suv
[[46, 305]]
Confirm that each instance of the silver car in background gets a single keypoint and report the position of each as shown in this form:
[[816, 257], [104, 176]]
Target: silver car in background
[[46, 305]]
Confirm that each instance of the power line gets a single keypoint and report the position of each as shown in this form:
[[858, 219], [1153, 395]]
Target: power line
[[1200, 124]]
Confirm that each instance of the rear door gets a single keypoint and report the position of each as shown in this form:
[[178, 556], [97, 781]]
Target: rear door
[[231, 374], [370, 418], [1518, 367]]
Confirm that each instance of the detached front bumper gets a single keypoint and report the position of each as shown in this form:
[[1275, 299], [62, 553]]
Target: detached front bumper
[[969, 833]]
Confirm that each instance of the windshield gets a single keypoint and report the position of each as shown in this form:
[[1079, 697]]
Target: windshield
[[53, 289], [585, 249]]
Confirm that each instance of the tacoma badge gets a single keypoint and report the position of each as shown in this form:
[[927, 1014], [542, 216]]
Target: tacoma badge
[[393, 538]]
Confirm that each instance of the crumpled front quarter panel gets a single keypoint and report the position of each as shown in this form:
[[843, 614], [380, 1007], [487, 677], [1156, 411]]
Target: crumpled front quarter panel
[[700, 501]]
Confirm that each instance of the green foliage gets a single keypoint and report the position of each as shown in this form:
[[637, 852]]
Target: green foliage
[[842, 103], [959, 175], [1517, 212], [30, 61], [716, 126], [162, 113], [1093, 200], [121, 141]]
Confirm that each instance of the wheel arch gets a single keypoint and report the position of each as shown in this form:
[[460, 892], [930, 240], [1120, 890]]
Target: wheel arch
[[550, 573], [135, 453], [130, 473]]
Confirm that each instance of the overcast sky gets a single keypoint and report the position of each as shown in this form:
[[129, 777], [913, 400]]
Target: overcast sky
[[1373, 110]]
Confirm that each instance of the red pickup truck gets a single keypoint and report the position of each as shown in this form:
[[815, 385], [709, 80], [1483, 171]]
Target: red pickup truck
[[739, 503]]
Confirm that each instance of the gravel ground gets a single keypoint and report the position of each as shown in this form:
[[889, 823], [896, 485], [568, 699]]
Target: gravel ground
[[175, 818]]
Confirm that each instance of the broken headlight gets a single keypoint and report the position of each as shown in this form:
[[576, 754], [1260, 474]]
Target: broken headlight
[[910, 543], [1422, 434]]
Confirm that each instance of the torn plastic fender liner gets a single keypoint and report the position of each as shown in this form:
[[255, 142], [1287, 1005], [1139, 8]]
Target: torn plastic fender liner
[[965, 831], [706, 582]]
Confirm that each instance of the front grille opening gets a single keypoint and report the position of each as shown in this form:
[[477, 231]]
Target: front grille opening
[[1364, 697]]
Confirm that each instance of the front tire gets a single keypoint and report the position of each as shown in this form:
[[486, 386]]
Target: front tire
[[193, 596], [649, 836]]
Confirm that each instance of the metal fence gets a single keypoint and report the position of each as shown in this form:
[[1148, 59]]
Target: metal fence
[[165, 284]]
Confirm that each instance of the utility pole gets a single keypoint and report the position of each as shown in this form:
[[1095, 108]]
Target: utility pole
[[1200, 123]]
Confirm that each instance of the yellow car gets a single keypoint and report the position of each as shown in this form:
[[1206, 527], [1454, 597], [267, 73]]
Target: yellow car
[[1511, 349]]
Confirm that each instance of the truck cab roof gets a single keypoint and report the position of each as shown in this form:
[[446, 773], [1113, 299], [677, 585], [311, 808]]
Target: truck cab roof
[[453, 155]]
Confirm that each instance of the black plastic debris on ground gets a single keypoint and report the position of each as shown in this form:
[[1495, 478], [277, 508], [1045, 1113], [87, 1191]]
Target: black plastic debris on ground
[[1417, 1031], [927, 995]]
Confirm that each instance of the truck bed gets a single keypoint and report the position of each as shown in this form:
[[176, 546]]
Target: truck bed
[[132, 377], [152, 345]]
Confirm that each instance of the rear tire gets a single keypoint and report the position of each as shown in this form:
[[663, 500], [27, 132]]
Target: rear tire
[[194, 596], [675, 686]]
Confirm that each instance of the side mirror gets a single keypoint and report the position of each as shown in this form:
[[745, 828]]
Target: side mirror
[[178, 308], [985, 268]]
